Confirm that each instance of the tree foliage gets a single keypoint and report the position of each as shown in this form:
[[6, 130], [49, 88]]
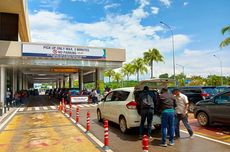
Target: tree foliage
[[226, 41], [152, 55], [139, 67]]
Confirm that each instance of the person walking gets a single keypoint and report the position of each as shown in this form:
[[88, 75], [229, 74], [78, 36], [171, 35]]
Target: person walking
[[94, 96], [8, 97], [181, 112], [167, 105], [146, 102]]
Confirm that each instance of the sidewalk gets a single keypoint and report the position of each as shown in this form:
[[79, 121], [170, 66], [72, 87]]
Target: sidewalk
[[47, 131]]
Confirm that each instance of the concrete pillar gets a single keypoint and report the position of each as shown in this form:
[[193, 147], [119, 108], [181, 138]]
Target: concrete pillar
[[99, 78], [15, 79], [2, 88], [80, 80], [60, 83], [20, 79], [63, 81], [71, 81], [57, 84]]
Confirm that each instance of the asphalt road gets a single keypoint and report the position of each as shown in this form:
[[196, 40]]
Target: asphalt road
[[129, 142]]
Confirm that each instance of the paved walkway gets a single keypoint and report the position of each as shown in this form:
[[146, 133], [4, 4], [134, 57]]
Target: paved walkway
[[45, 131]]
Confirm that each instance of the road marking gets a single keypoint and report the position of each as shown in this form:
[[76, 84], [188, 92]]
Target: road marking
[[80, 106], [45, 108], [94, 105], [86, 105], [218, 141], [8, 119], [21, 109], [74, 106], [53, 107], [37, 108], [29, 109], [94, 138]]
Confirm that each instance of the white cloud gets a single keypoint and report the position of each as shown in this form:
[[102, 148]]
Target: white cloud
[[167, 3], [155, 10], [185, 3], [54, 4], [109, 6], [116, 31]]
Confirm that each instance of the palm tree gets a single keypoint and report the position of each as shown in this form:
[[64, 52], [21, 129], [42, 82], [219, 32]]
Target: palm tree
[[109, 73], [226, 41], [117, 77], [153, 55], [139, 67], [127, 69]]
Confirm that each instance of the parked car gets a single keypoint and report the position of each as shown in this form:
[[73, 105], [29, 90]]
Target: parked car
[[220, 89], [216, 109], [197, 93], [120, 105]]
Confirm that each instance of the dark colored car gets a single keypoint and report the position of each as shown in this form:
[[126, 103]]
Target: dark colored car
[[216, 109], [220, 89], [197, 93]]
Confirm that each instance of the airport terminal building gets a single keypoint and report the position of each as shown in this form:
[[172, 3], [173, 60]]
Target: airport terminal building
[[23, 63]]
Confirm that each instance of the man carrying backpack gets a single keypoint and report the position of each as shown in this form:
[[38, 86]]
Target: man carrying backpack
[[147, 101]]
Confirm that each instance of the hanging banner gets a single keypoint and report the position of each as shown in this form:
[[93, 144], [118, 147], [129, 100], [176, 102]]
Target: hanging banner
[[57, 51]]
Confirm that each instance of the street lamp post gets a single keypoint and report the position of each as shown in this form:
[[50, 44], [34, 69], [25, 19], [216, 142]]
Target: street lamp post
[[182, 67], [221, 74], [174, 67]]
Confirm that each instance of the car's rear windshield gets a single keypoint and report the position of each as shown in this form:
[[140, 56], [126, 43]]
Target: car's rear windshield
[[211, 91]]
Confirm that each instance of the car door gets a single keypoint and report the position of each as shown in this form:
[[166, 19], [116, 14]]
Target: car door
[[222, 109], [118, 104], [107, 105]]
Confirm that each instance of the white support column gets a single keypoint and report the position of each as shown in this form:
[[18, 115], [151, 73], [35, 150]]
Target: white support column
[[20, 81], [98, 77], [3, 87], [15, 79]]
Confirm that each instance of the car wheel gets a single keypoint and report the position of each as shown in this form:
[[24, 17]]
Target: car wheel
[[99, 115], [202, 118], [123, 125], [191, 107]]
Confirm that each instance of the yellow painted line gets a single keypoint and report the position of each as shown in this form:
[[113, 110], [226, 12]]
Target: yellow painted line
[[40, 132]]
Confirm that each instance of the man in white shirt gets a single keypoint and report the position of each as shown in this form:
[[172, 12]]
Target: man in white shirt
[[181, 112]]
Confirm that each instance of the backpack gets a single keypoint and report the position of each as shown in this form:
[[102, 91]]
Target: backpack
[[147, 101]]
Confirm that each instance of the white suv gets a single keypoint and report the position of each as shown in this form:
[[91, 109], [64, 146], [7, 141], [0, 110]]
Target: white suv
[[120, 105]]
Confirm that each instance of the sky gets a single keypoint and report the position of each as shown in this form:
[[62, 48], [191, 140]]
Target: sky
[[135, 26]]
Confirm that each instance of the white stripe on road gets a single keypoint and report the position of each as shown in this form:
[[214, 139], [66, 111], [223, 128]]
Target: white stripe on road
[[53, 107], [86, 105], [8, 119], [21, 109], [218, 141], [93, 105], [74, 106], [45, 108], [37, 108], [29, 109], [80, 106], [90, 135]]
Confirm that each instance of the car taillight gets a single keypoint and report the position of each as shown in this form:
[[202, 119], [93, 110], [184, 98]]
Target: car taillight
[[204, 95], [131, 105]]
